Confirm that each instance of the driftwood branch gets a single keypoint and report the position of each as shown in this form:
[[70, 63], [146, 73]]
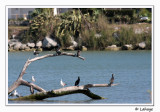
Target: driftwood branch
[[29, 84], [20, 80], [84, 89], [43, 94]]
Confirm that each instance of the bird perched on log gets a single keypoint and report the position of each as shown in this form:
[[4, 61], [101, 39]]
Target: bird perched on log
[[35, 52], [15, 94], [33, 79], [77, 81], [32, 89], [58, 49], [78, 53], [62, 83], [111, 80]]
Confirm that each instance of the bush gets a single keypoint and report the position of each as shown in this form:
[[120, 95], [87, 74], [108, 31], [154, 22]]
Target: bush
[[85, 24]]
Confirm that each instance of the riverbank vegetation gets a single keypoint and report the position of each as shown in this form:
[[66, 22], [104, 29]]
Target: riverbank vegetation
[[94, 28]]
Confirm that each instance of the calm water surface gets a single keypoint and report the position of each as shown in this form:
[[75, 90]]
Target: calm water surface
[[132, 71]]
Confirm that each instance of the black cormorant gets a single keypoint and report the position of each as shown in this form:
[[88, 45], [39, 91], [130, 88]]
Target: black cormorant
[[58, 49], [77, 81], [78, 53], [36, 52], [111, 80]]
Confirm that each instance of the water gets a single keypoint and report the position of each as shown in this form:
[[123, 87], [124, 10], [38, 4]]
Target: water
[[132, 71]]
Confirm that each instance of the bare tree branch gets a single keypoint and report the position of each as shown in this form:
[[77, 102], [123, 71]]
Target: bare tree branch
[[42, 94], [84, 89], [20, 80], [29, 84]]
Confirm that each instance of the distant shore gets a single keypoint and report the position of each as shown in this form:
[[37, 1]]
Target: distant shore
[[15, 45], [117, 37]]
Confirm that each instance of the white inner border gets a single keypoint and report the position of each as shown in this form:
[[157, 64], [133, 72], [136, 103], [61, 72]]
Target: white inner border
[[81, 6]]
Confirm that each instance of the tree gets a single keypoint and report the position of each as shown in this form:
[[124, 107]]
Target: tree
[[42, 23], [42, 94]]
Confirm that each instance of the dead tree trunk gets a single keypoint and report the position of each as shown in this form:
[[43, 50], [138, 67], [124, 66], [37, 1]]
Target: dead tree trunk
[[66, 91], [21, 81], [42, 94]]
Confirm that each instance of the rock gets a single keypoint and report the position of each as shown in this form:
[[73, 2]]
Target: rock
[[70, 48], [23, 47], [48, 43], [84, 48], [127, 47], [31, 45], [10, 49], [112, 48], [39, 49], [17, 46], [116, 28], [39, 44], [135, 47], [27, 49], [97, 35], [12, 42], [74, 43], [142, 45], [13, 36], [138, 31], [32, 49]]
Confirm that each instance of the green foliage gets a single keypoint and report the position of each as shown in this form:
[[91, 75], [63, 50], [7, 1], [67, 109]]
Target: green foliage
[[122, 15], [42, 23], [69, 22], [88, 38], [145, 13], [83, 24], [127, 35], [65, 39]]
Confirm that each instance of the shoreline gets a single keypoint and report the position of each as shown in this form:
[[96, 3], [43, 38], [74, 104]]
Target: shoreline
[[76, 50]]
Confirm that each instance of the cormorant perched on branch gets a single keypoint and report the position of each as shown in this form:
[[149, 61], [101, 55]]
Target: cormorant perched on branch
[[36, 52], [78, 53], [58, 49], [77, 81], [111, 80], [32, 90]]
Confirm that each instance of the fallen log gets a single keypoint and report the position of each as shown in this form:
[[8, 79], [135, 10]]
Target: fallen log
[[84, 89], [43, 94], [20, 80]]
